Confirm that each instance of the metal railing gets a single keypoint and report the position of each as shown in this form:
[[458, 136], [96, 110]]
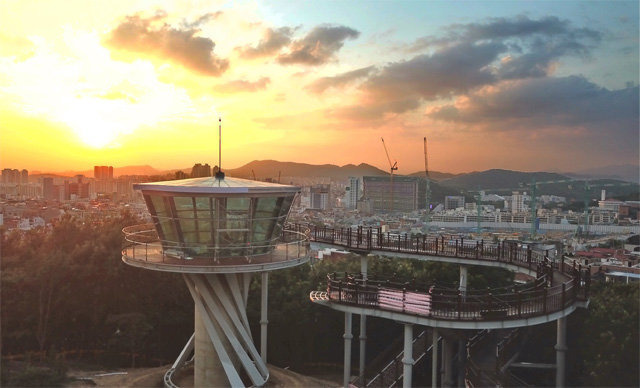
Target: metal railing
[[397, 296], [142, 244]]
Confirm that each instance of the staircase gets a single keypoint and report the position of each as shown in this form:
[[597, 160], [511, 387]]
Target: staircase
[[387, 369]]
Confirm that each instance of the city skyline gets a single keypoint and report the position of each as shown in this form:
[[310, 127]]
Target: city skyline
[[527, 86]]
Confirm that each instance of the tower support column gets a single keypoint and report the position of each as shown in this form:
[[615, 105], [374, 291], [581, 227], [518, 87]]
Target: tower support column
[[407, 359], [561, 350], [434, 359], [463, 280], [363, 324], [348, 318], [264, 296]]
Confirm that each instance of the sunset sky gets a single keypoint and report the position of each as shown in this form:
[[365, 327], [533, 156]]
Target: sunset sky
[[529, 86]]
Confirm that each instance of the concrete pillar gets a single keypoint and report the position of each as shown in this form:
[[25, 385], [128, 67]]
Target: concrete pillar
[[363, 324], [462, 359], [348, 317], [407, 359], [207, 368], [434, 359], [363, 346], [561, 350], [447, 362], [463, 280], [264, 296]]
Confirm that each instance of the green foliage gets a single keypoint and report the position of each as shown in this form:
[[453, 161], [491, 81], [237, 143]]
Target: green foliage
[[61, 285], [609, 343]]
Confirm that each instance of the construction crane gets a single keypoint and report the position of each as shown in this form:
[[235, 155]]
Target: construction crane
[[428, 193], [392, 167], [254, 175]]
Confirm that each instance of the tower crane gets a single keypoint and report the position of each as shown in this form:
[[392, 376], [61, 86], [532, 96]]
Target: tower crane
[[392, 167], [428, 193]]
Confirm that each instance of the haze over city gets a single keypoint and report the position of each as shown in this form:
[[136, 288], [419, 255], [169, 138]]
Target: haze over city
[[527, 86]]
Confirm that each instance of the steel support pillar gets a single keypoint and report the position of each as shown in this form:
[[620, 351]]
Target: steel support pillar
[[463, 280], [264, 321], [363, 324], [348, 317], [407, 358], [561, 350], [434, 359]]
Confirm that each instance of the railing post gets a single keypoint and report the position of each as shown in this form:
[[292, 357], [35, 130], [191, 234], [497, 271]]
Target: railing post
[[564, 286], [544, 300], [477, 249], [436, 246], [456, 247], [529, 256], [519, 303], [404, 297], [339, 290], [459, 304]]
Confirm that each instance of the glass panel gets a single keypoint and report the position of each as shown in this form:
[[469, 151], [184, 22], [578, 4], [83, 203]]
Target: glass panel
[[204, 214], [286, 204], [168, 229], [234, 204], [183, 203], [158, 204], [188, 226], [203, 203]]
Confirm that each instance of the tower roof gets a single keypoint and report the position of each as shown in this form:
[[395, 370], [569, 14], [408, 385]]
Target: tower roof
[[212, 185]]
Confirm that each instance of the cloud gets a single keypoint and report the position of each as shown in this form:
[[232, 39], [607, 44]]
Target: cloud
[[340, 80], [471, 56], [273, 41], [152, 37], [568, 102], [18, 47], [319, 46], [202, 20], [237, 86]]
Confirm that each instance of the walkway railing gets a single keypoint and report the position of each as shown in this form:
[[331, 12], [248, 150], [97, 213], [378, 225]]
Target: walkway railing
[[545, 297]]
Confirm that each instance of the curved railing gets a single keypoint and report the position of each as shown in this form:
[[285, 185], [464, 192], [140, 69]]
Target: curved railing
[[381, 294], [547, 295], [143, 246]]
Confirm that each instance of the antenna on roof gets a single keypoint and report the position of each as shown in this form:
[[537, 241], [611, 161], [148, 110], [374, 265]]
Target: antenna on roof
[[219, 173]]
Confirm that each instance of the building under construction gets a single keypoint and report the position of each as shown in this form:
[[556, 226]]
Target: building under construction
[[406, 195]]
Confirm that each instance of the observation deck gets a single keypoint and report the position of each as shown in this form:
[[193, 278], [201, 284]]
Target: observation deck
[[210, 225]]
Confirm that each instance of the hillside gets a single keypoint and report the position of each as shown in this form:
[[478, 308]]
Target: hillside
[[271, 168], [435, 175], [499, 179]]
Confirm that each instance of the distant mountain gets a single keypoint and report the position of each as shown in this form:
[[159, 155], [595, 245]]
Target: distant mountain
[[499, 179], [625, 172], [434, 175], [271, 168], [117, 171]]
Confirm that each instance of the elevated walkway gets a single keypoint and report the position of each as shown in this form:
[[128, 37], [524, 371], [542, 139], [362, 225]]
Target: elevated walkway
[[559, 289]]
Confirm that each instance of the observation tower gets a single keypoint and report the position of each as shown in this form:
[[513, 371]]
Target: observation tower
[[217, 232]]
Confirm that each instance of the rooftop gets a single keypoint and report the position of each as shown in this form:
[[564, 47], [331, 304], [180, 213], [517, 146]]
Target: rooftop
[[212, 185]]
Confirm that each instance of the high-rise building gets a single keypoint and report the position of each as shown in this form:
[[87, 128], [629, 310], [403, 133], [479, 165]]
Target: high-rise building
[[103, 172], [452, 202], [200, 171], [320, 197], [11, 176], [517, 202], [353, 193], [24, 177], [408, 193], [48, 189]]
